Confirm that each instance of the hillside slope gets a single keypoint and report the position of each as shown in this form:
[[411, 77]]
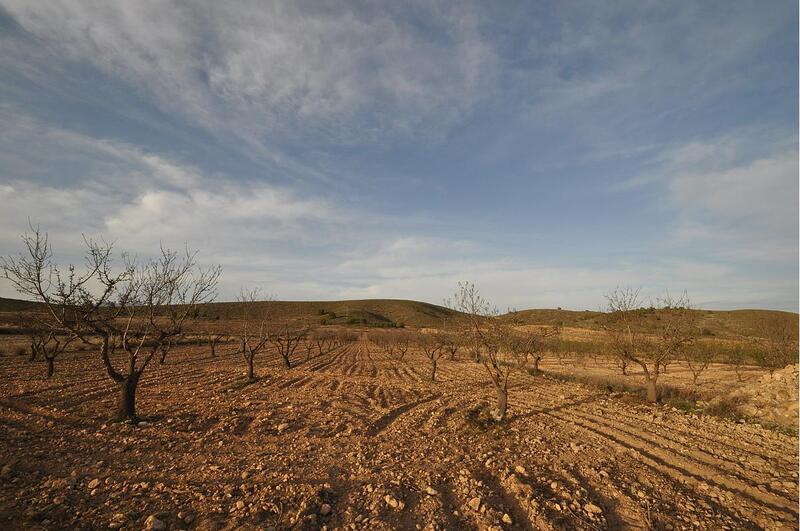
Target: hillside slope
[[721, 323], [370, 312], [415, 314]]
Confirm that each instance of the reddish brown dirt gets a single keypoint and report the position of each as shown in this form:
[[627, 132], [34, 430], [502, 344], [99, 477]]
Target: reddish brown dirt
[[375, 441]]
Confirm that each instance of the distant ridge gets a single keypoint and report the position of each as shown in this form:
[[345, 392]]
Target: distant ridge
[[415, 314]]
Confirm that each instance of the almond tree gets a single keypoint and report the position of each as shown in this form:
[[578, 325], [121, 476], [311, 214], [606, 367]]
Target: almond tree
[[401, 345], [286, 340], [533, 343], [698, 357], [650, 345], [432, 344], [255, 326], [324, 341], [213, 339], [451, 344], [136, 309], [491, 341], [776, 345], [49, 345]]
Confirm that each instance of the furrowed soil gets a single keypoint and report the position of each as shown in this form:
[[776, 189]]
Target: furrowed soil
[[354, 439]]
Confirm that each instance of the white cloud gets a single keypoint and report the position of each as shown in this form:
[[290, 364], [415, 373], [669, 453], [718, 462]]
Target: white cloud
[[254, 68], [762, 192], [140, 199]]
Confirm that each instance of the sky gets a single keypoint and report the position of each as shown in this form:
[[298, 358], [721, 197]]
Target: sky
[[546, 151]]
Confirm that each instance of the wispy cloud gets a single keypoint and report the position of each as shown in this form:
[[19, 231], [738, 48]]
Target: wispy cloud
[[255, 69]]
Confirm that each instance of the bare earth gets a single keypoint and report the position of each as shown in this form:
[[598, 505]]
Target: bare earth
[[353, 439]]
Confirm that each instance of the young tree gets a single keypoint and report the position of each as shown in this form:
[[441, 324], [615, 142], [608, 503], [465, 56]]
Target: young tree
[[698, 357], [324, 341], [492, 342], [451, 344], [738, 355], [255, 326], [137, 309], [776, 345], [534, 343], [49, 345], [286, 340], [651, 346], [401, 345], [432, 344], [214, 339]]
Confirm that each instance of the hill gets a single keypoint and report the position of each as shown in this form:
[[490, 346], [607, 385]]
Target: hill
[[369, 312], [396, 313], [720, 323], [17, 305]]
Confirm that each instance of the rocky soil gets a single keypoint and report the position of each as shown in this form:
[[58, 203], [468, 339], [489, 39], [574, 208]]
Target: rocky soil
[[356, 440]]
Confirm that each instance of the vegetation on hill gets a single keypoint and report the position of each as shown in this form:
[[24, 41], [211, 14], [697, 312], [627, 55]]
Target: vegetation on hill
[[712, 323], [413, 314]]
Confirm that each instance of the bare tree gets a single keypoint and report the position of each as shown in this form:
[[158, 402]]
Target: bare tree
[[286, 340], [491, 341], [324, 341], [213, 339], [649, 345], [533, 343], [49, 345], [137, 309], [402, 344], [698, 357], [432, 344], [776, 344], [255, 326], [451, 343], [738, 355]]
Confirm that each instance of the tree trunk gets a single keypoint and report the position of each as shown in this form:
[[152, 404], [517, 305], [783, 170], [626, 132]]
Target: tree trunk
[[251, 376], [213, 349], [624, 368], [126, 409], [738, 373], [536, 365], [286, 361], [33, 353], [652, 390], [499, 412], [164, 353], [50, 366], [433, 370]]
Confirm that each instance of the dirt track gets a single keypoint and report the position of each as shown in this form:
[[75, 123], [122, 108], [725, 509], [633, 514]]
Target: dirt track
[[373, 439]]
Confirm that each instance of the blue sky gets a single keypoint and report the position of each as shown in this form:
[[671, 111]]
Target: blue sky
[[546, 151]]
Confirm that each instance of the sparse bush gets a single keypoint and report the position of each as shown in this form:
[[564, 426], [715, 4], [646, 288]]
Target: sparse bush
[[727, 406]]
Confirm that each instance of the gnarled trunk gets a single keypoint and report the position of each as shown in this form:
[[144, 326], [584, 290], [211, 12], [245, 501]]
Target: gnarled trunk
[[50, 366], [433, 370], [536, 360], [652, 390], [286, 361], [251, 375], [501, 407], [126, 408]]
